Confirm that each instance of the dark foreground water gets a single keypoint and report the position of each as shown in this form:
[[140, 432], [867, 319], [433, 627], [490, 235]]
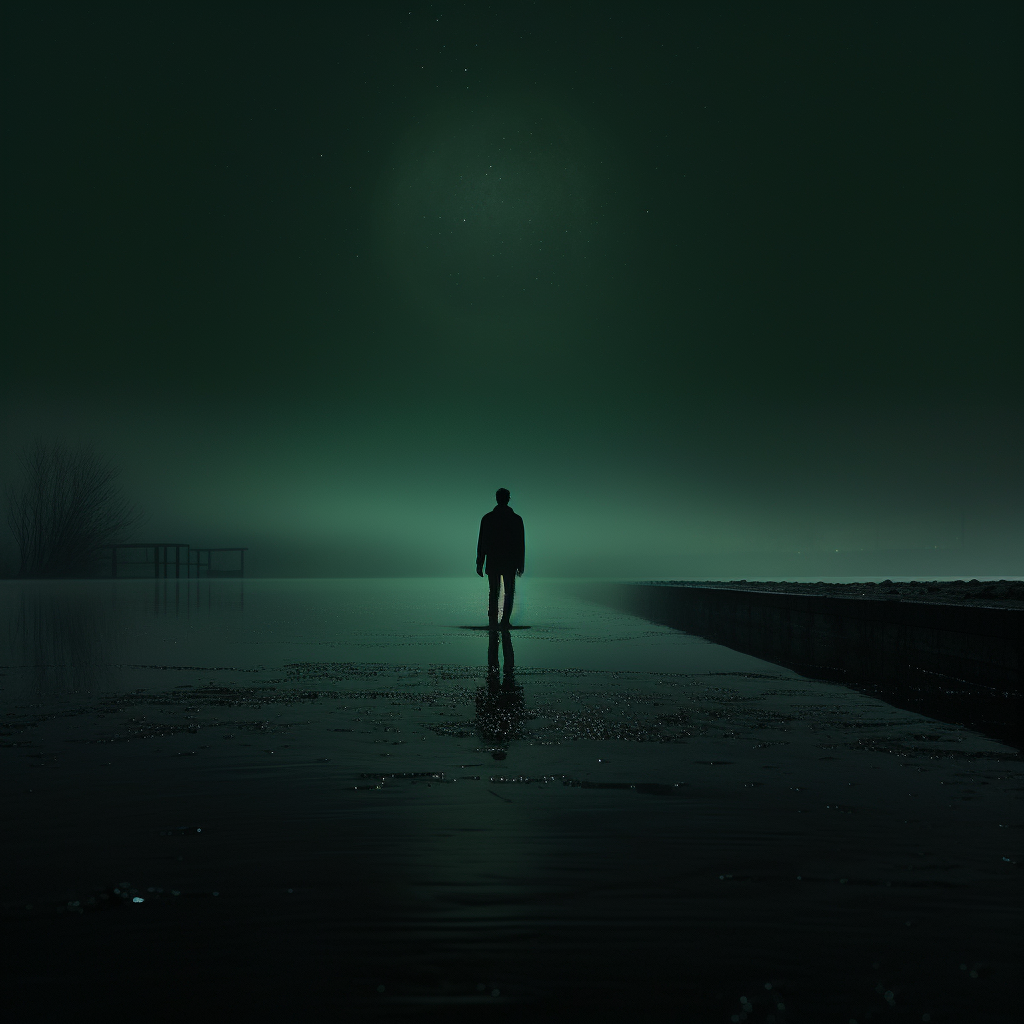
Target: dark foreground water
[[331, 801]]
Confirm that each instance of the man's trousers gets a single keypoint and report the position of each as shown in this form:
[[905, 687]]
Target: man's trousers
[[493, 580]]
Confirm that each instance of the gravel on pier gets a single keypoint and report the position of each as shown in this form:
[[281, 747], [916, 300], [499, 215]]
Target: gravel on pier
[[996, 593]]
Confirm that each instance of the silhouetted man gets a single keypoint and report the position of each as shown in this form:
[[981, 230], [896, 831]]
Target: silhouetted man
[[501, 552]]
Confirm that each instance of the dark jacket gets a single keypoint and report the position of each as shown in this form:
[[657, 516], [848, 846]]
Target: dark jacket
[[502, 541]]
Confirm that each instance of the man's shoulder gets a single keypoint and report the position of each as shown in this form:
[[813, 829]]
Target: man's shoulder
[[499, 514]]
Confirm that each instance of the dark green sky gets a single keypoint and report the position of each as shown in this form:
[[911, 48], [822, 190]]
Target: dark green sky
[[693, 281]]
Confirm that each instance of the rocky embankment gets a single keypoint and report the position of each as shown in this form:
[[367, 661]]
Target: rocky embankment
[[992, 594]]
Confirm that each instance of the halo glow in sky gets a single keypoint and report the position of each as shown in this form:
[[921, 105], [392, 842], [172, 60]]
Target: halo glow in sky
[[494, 206]]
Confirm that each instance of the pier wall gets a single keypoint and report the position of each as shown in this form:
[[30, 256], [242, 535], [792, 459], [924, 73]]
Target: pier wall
[[844, 638]]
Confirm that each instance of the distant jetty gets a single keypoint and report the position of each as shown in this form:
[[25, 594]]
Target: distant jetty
[[951, 650], [154, 560]]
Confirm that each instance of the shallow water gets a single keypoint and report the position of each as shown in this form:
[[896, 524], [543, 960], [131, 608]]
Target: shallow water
[[398, 822]]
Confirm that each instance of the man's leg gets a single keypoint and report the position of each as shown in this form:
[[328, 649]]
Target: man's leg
[[493, 581], [510, 593], [508, 656], [492, 657]]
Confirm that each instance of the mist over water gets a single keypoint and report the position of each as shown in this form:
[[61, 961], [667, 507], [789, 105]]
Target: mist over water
[[105, 630], [696, 325]]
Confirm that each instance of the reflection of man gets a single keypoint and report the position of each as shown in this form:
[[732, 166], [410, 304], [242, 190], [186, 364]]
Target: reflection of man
[[502, 546], [500, 708], [507, 654]]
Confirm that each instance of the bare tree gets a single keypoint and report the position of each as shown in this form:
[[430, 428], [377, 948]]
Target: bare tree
[[67, 507]]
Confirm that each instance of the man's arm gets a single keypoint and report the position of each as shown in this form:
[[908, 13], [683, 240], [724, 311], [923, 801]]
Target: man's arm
[[522, 548], [481, 547]]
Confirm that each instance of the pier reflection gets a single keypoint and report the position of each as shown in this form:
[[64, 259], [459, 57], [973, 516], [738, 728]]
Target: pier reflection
[[66, 636], [500, 705], [57, 638], [182, 597]]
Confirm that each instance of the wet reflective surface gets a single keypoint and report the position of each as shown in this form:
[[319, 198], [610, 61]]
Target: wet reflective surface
[[323, 800]]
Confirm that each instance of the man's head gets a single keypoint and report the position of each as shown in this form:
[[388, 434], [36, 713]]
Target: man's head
[[502, 495]]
